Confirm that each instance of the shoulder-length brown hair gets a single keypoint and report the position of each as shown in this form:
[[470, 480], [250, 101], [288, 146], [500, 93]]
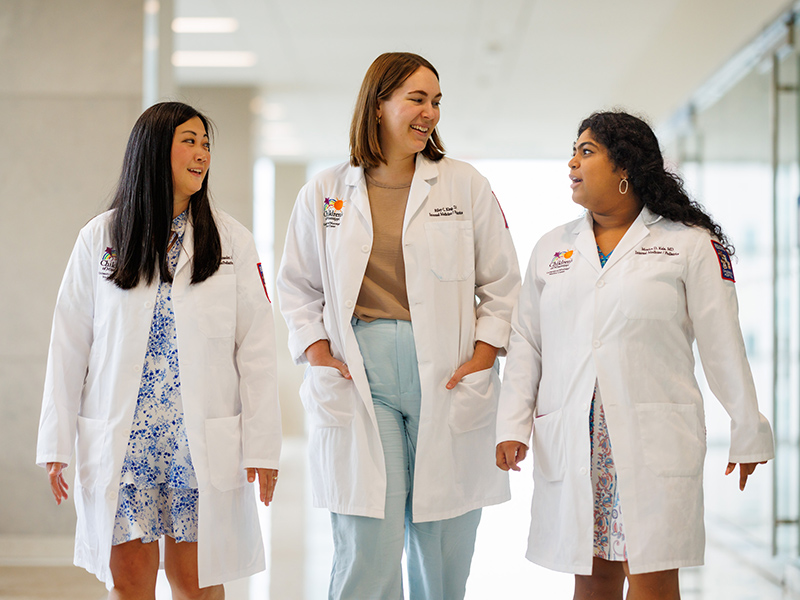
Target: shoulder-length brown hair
[[384, 76]]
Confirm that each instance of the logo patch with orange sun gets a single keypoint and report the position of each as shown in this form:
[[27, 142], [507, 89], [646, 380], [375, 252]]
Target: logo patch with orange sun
[[332, 212], [560, 262]]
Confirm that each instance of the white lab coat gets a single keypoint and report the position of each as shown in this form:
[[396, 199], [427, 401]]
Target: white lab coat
[[629, 327], [226, 351], [456, 246]]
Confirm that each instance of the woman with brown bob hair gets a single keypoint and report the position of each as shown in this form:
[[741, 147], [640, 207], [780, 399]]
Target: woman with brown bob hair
[[397, 282]]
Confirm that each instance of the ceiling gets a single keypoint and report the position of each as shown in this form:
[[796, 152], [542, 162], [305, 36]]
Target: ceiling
[[517, 75]]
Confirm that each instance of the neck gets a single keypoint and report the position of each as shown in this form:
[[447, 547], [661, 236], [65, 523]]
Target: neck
[[394, 171], [178, 206]]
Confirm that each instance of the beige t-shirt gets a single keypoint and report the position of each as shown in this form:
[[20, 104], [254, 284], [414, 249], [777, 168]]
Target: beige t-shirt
[[383, 291]]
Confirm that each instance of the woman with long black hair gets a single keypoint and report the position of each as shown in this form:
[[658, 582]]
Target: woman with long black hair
[[162, 364], [600, 371]]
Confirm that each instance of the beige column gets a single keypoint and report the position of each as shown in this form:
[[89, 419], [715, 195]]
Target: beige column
[[232, 152], [289, 178], [71, 74]]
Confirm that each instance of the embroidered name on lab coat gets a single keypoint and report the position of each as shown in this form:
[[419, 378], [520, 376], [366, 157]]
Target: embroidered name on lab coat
[[725, 266], [445, 211], [332, 212], [560, 262], [666, 250]]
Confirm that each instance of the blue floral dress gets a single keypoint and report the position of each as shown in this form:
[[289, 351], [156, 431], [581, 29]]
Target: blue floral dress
[[609, 535], [158, 491]]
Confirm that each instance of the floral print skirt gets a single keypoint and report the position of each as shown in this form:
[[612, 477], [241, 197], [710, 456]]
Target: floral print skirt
[[609, 534], [149, 513]]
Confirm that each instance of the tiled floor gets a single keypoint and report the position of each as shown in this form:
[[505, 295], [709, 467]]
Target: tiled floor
[[300, 551]]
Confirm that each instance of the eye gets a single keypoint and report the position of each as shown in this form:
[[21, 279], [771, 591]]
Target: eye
[[437, 103], [207, 146]]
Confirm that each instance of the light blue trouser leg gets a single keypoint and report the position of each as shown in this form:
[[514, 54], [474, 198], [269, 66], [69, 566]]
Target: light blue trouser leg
[[367, 552]]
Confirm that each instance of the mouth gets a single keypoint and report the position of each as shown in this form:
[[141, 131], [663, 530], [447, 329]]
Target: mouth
[[575, 181], [420, 128], [196, 171]]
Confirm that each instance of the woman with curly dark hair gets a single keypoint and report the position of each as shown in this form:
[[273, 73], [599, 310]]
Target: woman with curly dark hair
[[600, 371]]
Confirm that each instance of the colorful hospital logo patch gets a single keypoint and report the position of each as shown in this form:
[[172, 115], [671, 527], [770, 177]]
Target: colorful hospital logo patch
[[332, 212], [108, 261], [560, 262], [725, 266]]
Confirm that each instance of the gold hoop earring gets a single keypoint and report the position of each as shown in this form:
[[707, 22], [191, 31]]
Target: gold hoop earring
[[378, 118], [625, 191]]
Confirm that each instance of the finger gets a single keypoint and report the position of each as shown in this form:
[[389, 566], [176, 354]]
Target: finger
[[251, 474], [511, 458], [742, 477], [522, 452], [344, 370], [457, 376], [264, 480], [500, 459], [731, 466]]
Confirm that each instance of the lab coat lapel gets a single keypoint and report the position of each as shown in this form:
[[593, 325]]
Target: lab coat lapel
[[635, 234], [585, 243], [359, 199], [425, 171], [187, 246]]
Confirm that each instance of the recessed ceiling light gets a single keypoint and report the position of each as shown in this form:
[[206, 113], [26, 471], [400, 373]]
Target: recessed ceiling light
[[185, 58], [204, 25]]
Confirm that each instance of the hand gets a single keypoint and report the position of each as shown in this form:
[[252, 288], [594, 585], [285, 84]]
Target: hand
[[745, 470], [482, 358], [510, 454], [319, 354], [58, 485], [267, 480]]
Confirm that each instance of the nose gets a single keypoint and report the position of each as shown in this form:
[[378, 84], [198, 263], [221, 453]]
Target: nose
[[202, 155], [573, 162]]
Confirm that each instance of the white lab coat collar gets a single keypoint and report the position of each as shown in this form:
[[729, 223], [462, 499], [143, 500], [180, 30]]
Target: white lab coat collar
[[425, 172], [586, 244]]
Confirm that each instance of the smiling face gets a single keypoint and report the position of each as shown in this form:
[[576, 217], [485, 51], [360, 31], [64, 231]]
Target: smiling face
[[409, 116], [190, 159], [595, 178]]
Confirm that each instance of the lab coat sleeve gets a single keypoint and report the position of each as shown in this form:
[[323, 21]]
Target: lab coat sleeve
[[714, 311], [523, 368], [68, 355], [497, 278], [300, 287], [255, 359]]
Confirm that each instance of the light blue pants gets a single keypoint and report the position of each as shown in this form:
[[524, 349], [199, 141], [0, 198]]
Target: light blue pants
[[367, 551]]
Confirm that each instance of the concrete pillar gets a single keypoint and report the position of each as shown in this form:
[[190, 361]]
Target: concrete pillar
[[233, 147], [289, 178], [71, 75]]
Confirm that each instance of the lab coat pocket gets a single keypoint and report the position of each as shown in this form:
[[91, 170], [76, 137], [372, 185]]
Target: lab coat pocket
[[225, 460], [452, 249], [329, 398], [549, 458], [669, 436], [473, 403], [215, 305], [650, 290], [89, 450]]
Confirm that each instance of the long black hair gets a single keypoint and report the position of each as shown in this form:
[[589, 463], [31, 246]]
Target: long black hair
[[143, 203], [632, 146]]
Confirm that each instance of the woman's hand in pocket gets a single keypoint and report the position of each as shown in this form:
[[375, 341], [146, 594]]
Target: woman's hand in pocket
[[482, 358], [319, 354]]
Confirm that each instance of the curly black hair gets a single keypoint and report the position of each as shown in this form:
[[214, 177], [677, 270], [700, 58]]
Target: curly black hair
[[632, 146]]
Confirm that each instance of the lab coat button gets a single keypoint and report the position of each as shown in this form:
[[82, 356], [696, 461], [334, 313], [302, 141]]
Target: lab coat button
[[349, 304], [148, 304], [601, 283], [111, 495], [597, 343], [584, 470], [365, 248]]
